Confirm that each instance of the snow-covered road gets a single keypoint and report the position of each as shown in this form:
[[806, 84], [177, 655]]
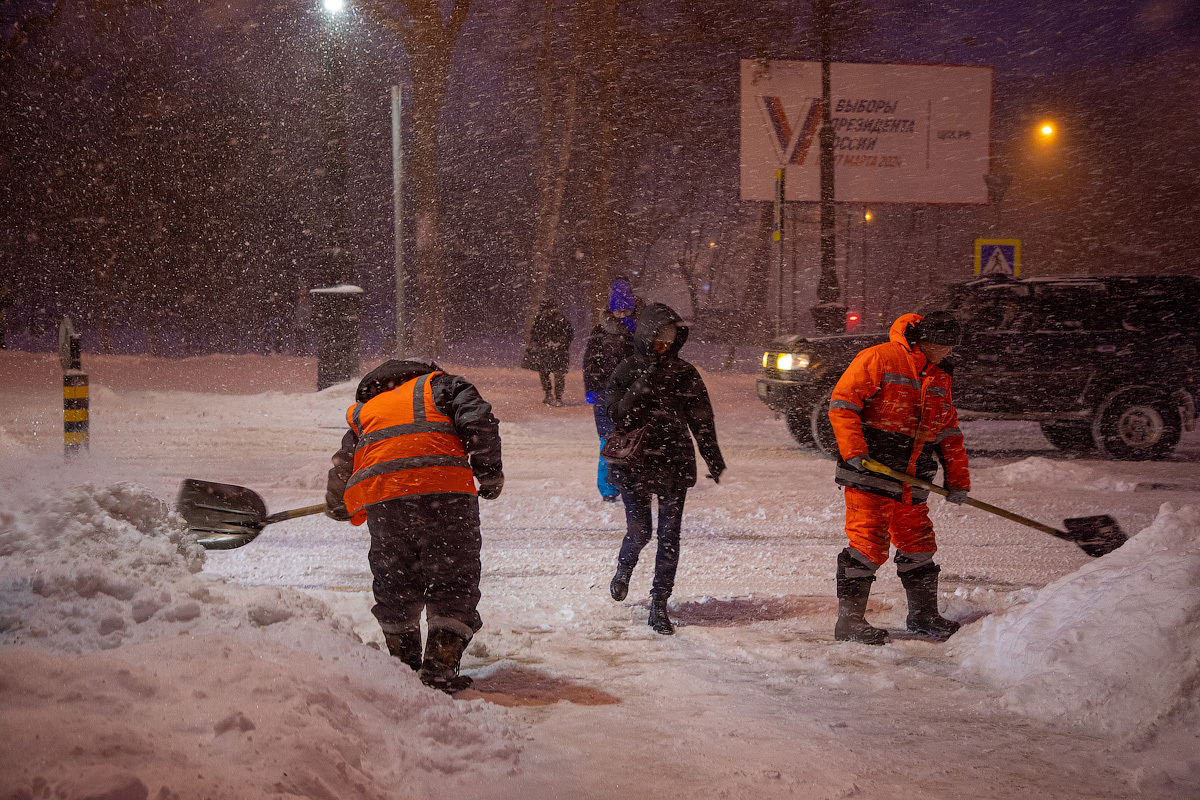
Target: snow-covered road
[[751, 698]]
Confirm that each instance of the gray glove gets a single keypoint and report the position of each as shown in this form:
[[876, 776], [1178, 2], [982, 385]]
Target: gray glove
[[856, 463], [957, 496], [338, 513], [490, 488]]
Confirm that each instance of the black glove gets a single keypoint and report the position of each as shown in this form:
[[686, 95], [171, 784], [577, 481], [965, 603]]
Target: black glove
[[957, 496], [716, 474], [490, 488], [856, 463], [338, 513]]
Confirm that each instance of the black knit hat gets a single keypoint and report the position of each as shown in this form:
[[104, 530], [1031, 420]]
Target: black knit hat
[[937, 327]]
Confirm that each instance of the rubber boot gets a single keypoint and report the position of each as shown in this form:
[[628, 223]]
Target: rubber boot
[[443, 651], [619, 587], [921, 585], [658, 615], [852, 593], [405, 646]]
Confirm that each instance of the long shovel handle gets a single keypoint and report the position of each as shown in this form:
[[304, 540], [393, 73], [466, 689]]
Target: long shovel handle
[[280, 516], [883, 469]]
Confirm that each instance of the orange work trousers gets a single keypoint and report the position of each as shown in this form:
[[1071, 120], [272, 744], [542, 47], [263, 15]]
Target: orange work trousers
[[874, 522]]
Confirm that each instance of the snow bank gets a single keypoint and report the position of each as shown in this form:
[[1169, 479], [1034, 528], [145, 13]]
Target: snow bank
[[1060, 474], [1114, 646], [125, 671]]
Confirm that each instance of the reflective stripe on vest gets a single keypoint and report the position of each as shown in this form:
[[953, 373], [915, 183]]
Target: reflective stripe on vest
[[405, 447]]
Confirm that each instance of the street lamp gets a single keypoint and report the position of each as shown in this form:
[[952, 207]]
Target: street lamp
[[337, 301]]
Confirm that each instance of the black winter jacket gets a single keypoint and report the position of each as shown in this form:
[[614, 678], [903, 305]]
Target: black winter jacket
[[549, 347], [454, 396], [668, 394], [609, 344]]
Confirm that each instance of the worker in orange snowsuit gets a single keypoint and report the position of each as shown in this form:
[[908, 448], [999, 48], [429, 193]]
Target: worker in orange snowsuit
[[893, 405]]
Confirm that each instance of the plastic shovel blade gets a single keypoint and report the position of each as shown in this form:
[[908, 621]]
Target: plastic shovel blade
[[222, 516], [1097, 536]]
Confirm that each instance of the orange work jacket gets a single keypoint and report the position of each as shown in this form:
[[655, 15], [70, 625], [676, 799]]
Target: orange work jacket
[[894, 407], [405, 447]]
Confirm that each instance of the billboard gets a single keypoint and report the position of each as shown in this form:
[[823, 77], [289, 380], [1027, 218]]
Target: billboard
[[902, 133]]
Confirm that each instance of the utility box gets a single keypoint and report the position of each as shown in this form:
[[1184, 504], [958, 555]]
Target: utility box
[[337, 311]]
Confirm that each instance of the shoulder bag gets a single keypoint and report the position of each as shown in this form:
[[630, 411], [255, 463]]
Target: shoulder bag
[[625, 449]]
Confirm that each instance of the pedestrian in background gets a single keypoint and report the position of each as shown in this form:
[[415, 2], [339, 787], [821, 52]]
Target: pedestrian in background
[[610, 343], [549, 350], [657, 389], [418, 440], [893, 404]]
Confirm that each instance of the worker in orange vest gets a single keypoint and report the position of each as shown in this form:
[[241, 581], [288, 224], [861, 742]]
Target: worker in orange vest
[[893, 404], [419, 439]]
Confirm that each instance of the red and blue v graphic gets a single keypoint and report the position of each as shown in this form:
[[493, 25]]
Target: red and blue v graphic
[[791, 146]]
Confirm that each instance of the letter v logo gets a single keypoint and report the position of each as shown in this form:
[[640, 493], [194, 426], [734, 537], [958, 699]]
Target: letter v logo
[[791, 147]]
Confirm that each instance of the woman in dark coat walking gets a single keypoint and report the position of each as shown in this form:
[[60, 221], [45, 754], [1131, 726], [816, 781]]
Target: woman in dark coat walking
[[549, 350], [610, 343], [656, 388]]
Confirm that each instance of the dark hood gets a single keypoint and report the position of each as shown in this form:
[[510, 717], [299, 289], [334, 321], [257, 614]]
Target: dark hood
[[389, 375], [653, 317]]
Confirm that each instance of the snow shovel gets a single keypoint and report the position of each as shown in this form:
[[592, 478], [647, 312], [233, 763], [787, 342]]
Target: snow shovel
[[225, 516], [1097, 536]]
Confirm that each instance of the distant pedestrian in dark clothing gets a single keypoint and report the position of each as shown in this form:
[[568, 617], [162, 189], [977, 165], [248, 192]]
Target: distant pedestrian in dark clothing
[[656, 388], [610, 343], [549, 351]]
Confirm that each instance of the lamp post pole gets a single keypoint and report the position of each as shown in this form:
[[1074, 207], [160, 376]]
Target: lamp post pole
[[829, 314], [336, 302]]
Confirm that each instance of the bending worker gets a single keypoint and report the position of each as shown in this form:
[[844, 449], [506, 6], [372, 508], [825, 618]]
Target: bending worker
[[893, 405], [418, 440]]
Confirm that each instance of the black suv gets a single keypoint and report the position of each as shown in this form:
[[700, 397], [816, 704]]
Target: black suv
[[1104, 363]]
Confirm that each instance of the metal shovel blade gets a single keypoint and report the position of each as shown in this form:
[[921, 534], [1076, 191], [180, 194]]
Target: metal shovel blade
[[221, 515], [1097, 536]]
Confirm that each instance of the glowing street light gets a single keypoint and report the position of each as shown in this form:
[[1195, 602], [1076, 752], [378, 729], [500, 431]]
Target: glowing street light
[[335, 6], [1046, 130], [867, 216]]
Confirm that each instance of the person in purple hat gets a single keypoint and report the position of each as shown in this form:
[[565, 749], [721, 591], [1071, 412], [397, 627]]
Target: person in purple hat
[[609, 343]]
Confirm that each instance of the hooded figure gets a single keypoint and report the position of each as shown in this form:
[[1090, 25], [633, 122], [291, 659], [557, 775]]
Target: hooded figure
[[549, 351], [894, 405], [657, 389], [609, 343], [418, 441]]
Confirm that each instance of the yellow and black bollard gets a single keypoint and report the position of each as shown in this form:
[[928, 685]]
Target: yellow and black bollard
[[75, 402]]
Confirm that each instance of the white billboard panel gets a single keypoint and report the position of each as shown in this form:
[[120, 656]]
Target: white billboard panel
[[903, 133]]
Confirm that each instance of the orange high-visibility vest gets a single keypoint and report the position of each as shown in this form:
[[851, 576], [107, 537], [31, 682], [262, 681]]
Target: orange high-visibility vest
[[405, 447]]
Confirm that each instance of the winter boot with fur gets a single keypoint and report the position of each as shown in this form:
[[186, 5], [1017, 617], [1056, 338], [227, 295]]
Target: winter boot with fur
[[853, 590], [658, 615], [443, 651], [405, 646], [921, 585], [619, 587]]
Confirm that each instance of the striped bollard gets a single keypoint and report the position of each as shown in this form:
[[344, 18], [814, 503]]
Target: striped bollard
[[75, 403]]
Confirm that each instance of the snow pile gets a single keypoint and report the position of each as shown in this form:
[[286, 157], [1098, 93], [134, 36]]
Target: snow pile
[[127, 672], [1114, 646], [1062, 475]]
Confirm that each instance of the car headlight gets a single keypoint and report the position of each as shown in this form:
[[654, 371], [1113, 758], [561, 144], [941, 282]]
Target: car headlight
[[766, 357], [790, 361]]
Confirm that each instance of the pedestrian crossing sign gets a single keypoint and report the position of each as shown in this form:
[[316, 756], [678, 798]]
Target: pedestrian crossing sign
[[998, 257]]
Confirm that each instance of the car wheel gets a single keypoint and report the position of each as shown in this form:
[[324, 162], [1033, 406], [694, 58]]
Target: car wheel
[[1073, 437], [799, 426], [821, 429], [1136, 424]]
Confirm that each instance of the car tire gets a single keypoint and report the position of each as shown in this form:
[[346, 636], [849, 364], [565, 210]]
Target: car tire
[[1072, 436], [799, 426], [820, 428], [1136, 424]]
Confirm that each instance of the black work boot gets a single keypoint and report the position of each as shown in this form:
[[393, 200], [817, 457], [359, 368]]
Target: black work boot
[[443, 651], [921, 585], [619, 587], [405, 646], [658, 615], [852, 593]]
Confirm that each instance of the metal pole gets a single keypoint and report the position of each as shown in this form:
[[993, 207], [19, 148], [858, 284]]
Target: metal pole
[[829, 315], [777, 237], [398, 224], [75, 400]]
